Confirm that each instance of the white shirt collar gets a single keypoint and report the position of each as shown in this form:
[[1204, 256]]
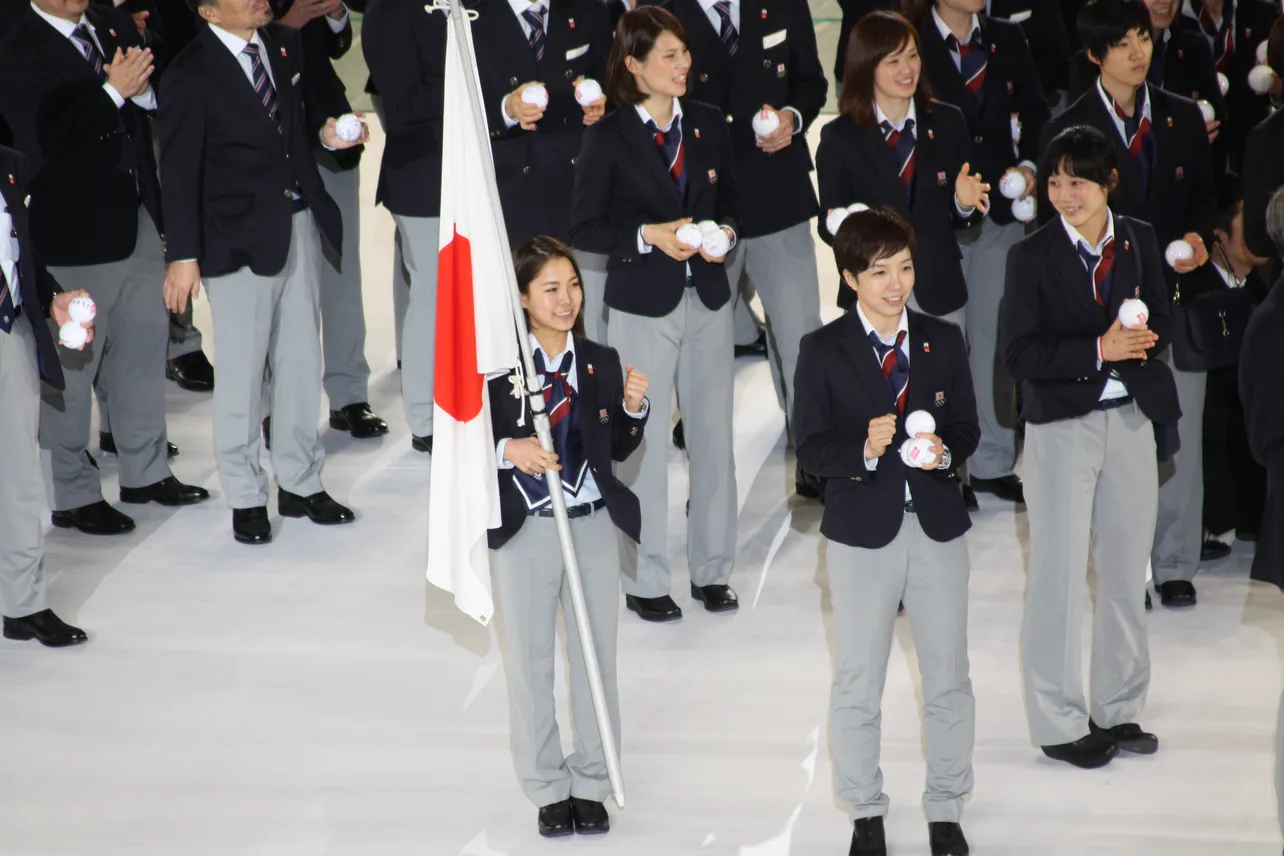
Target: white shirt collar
[[881, 117], [552, 361], [520, 6], [1076, 239], [60, 24], [944, 28], [707, 5], [1228, 277], [869, 328], [236, 44], [647, 117], [1109, 101]]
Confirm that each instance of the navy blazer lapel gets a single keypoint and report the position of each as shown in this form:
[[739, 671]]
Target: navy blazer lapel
[[640, 139], [285, 79], [237, 85], [701, 177], [60, 53], [108, 38], [1124, 282], [948, 82], [497, 17], [861, 353], [1068, 267]]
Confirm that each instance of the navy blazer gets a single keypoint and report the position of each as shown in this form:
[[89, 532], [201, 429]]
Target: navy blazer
[[609, 434], [1049, 324], [1259, 384], [855, 165], [35, 284], [622, 184], [1263, 175], [839, 388]]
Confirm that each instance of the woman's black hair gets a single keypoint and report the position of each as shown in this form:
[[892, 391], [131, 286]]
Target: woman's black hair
[[1081, 151]]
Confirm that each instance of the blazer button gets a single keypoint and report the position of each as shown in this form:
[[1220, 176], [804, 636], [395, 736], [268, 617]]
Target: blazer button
[[977, 139], [766, 63], [572, 161], [857, 478], [288, 195], [569, 73], [730, 118], [704, 77], [526, 170], [512, 81]]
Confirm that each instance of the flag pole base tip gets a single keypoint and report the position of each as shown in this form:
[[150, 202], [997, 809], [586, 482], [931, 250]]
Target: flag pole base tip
[[619, 800]]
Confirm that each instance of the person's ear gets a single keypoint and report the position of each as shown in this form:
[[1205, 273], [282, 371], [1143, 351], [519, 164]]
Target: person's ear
[[850, 279], [1113, 182]]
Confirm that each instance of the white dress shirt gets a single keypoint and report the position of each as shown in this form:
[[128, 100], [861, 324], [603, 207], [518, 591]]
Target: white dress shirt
[[1115, 387], [145, 99], [589, 491], [237, 45], [871, 464], [9, 254], [1228, 277], [881, 117]]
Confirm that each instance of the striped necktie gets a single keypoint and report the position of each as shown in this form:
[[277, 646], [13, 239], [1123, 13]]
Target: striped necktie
[[534, 18], [903, 145], [1223, 38], [672, 150], [562, 404], [1137, 135], [263, 85], [727, 30], [1100, 266], [93, 56], [895, 367], [972, 62]]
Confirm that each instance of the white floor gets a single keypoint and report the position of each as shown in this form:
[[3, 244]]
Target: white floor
[[317, 697]]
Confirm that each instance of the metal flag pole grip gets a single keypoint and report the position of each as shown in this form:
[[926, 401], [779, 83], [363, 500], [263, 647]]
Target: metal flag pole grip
[[459, 19]]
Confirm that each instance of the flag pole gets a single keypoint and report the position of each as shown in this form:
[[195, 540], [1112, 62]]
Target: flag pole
[[459, 18]]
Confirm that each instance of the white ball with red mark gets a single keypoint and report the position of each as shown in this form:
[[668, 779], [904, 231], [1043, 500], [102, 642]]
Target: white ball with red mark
[[1133, 313], [716, 244], [1023, 209], [1012, 185], [917, 452], [82, 309], [588, 91], [765, 122]]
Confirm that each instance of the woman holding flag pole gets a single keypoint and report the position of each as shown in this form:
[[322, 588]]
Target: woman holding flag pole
[[597, 414]]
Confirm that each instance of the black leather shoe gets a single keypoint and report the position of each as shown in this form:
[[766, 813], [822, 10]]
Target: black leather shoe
[[1149, 605], [1243, 533], [319, 508], [679, 435], [716, 598], [267, 433], [756, 348], [46, 628], [1212, 549], [1129, 737], [251, 525], [808, 486], [1176, 593], [654, 608], [969, 497], [947, 839], [590, 817], [168, 491], [556, 820], [868, 838], [358, 420], [1088, 752], [421, 444], [191, 371], [107, 443], [96, 519], [1006, 488]]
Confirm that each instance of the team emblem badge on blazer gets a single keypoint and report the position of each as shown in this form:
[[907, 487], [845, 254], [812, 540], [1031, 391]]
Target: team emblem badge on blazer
[[571, 21], [713, 176], [780, 70], [1181, 173], [939, 401], [927, 348], [603, 416], [590, 368], [941, 179]]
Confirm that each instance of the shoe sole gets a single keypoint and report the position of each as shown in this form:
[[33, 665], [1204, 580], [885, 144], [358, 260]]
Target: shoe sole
[[731, 607], [1186, 604], [1081, 766], [342, 425], [253, 542], [653, 620], [67, 524], [20, 636], [557, 834], [596, 830], [144, 500], [300, 513], [1147, 750]]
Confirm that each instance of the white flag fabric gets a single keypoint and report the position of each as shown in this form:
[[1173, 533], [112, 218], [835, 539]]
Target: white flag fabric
[[475, 340]]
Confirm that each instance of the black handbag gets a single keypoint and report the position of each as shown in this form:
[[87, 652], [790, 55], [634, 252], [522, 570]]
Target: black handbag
[[1208, 330]]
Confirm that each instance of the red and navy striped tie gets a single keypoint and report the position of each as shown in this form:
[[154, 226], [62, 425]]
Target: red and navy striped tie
[[727, 32], [903, 146], [1137, 135], [895, 367], [93, 56], [1223, 39], [972, 62], [534, 17], [263, 85], [1100, 266], [671, 149]]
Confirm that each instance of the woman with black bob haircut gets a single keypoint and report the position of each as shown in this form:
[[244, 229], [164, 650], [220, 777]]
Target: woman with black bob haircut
[[597, 412]]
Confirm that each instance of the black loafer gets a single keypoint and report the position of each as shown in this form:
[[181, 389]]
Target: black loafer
[[191, 372], [653, 608], [421, 444], [46, 628], [251, 525], [1149, 605], [590, 817], [1005, 487], [1212, 549], [716, 598], [756, 348], [679, 435], [99, 518], [969, 497], [1088, 752], [1176, 594], [947, 839], [168, 491], [358, 420], [868, 838], [107, 444], [1129, 737], [556, 820], [319, 508]]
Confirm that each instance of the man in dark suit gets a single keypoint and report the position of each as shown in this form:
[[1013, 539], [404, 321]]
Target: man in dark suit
[[326, 31], [28, 295], [1165, 179], [248, 210], [405, 48], [1264, 168], [894, 530], [75, 88]]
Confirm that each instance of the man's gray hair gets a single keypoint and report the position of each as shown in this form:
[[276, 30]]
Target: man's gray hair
[[1275, 221]]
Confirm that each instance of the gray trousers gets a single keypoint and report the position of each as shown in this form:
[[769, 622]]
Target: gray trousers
[[782, 266], [593, 283], [343, 315], [419, 240], [1090, 482], [128, 355], [985, 260], [22, 499], [269, 321], [528, 582], [745, 324], [864, 588], [692, 347], [400, 278], [1179, 526]]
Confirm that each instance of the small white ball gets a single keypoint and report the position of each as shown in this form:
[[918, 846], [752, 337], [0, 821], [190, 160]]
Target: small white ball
[[73, 335], [917, 453], [717, 244], [1261, 52], [535, 94], [1223, 83], [834, 219], [1207, 109], [920, 422], [1178, 251], [82, 309], [1133, 313], [690, 234], [587, 92], [765, 122], [1012, 185], [856, 207], [707, 226], [1261, 79], [348, 128], [1023, 209]]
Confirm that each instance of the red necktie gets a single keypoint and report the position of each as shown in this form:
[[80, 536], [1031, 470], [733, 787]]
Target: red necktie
[[1100, 267]]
